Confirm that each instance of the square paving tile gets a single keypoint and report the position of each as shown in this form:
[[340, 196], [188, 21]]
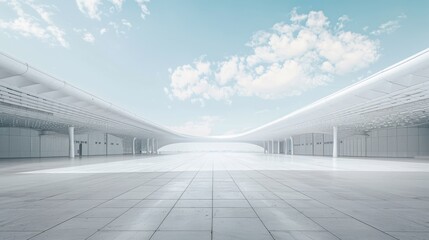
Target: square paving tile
[[239, 229], [188, 219], [139, 219], [182, 235]]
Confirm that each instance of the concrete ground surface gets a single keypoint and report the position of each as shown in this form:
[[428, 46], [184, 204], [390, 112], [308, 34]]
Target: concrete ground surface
[[217, 196]]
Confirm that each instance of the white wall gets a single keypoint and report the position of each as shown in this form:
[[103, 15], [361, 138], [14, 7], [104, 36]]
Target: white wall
[[54, 145], [115, 145], [16, 142], [128, 145], [385, 142], [24, 143], [398, 142], [95, 144]]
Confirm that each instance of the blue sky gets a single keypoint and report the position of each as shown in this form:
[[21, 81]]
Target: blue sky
[[212, 67]]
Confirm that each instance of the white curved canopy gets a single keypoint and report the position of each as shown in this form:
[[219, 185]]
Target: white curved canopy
[[395, 96], [398, 95]]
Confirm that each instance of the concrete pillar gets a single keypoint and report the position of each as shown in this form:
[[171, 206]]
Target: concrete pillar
[[153, 146], [323, 144], [291, 145], [71, 142], [134, 146], [285, 147], [156, 146], [107, 143], [266, 147], [278, 147], [147, 146], [312, 144], [272, 146], [335, 142]]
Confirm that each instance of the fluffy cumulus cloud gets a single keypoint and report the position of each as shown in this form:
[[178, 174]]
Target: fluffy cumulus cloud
[[33, 21], [203, 126], [286, 60]]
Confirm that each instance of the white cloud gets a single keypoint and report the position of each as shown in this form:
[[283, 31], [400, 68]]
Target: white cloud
[[167, 92], [118, 3], [389, 26], [296, 17], [98, 10], [94, 8], [227, 70], [39, 25], [90, 8], [125, 22], [188, 81], [286, 60], [342, 21], [88, 37], [103, 31], [201, 127], [120, 28], [144, 10]]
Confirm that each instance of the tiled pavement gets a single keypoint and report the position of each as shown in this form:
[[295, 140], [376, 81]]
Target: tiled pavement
[[214, 196]]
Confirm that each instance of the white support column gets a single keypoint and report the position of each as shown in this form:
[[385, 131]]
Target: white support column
[[147, 145], [153, 146], [291, 145], [134, 146], [267, 144], [285, 147], [272, 146], [156, 146], [106, 139], [266, 147], [335, 142], [312, 144], [71, 142], [278, 147]]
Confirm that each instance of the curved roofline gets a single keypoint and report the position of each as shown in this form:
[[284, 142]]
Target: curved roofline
[[50, 80], [332, 97], [293, 123]]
